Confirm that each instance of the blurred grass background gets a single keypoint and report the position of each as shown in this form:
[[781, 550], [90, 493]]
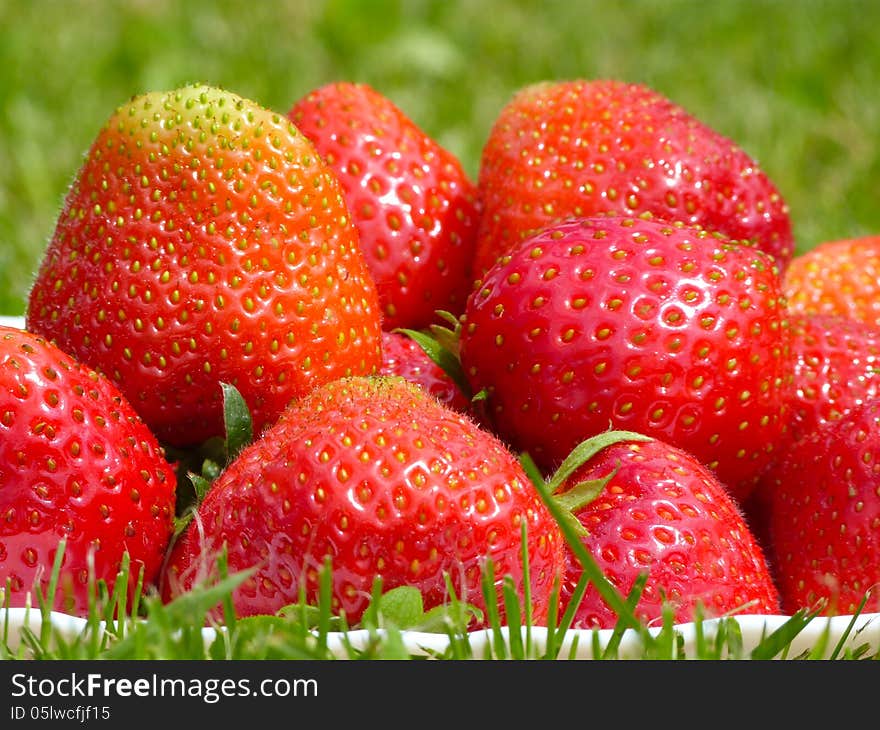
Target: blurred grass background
[[794, 82]]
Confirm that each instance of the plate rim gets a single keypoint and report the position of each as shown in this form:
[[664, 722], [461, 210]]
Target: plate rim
[[858, 630]]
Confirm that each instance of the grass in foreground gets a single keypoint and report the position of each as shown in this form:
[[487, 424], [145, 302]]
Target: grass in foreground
[[394, 627]]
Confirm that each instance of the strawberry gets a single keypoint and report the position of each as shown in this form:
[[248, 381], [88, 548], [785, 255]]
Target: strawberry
[[404, 357], [637, 324], [649, 507], [576, 148], [412, 202], [386, 482], [840, 277], [823, 516], [76, 463], [204, 241], [836, 367]]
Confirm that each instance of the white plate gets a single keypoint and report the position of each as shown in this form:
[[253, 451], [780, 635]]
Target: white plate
[[12, 321], [864, 632]]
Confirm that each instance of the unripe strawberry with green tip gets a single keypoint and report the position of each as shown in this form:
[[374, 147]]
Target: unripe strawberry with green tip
[[414, 206], [386, 482], [76, 464], [581, 147], [202, 241], [637, 324], [650, 511]]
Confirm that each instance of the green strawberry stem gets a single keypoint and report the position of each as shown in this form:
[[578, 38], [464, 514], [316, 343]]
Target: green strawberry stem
[[579, 495], [441, 344], [236, 420], [205, 463], [562, 508], [586, 450], [450, 338], [441, 354]]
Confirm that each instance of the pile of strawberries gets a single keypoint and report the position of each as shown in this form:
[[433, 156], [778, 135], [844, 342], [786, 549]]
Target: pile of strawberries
[[615, 300]]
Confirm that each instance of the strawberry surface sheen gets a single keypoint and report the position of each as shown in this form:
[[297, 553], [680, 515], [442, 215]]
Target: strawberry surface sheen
[[836, 368], [664, 513], [204, 241], [76, 462], [581, 147], [385, 481], [635, 324], [823, 522], [415, 208]]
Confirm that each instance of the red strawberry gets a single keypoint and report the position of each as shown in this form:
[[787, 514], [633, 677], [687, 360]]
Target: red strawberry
[[823, 519], [836, 367], [76, 463], [386, 481], [837, 277], [636, 324], [404, 357], [651, 507], [414, 206], [204, 241], [577, 148]]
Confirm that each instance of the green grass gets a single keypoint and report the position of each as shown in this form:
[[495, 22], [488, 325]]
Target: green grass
[[794, 83], [187, 629]]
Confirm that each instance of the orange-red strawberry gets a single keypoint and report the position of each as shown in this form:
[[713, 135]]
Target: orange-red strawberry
[[412, 202], [636, 324], [76, 463], [649, 507], [205, 241], [840, 277], [386, 482], [822, 523], [581, 147]]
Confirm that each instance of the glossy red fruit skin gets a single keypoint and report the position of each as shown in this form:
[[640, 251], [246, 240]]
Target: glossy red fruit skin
[[76, 462], [840, 278], [823, 519], [404, 357], [639, 325], [204, 241], [580, 147], [836, 367], [385, 480], [664, 512], [414, 206]]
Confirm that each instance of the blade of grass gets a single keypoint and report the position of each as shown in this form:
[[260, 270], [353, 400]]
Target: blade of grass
[[608, 592], [514, 618], [493, 617], [527, 587]]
